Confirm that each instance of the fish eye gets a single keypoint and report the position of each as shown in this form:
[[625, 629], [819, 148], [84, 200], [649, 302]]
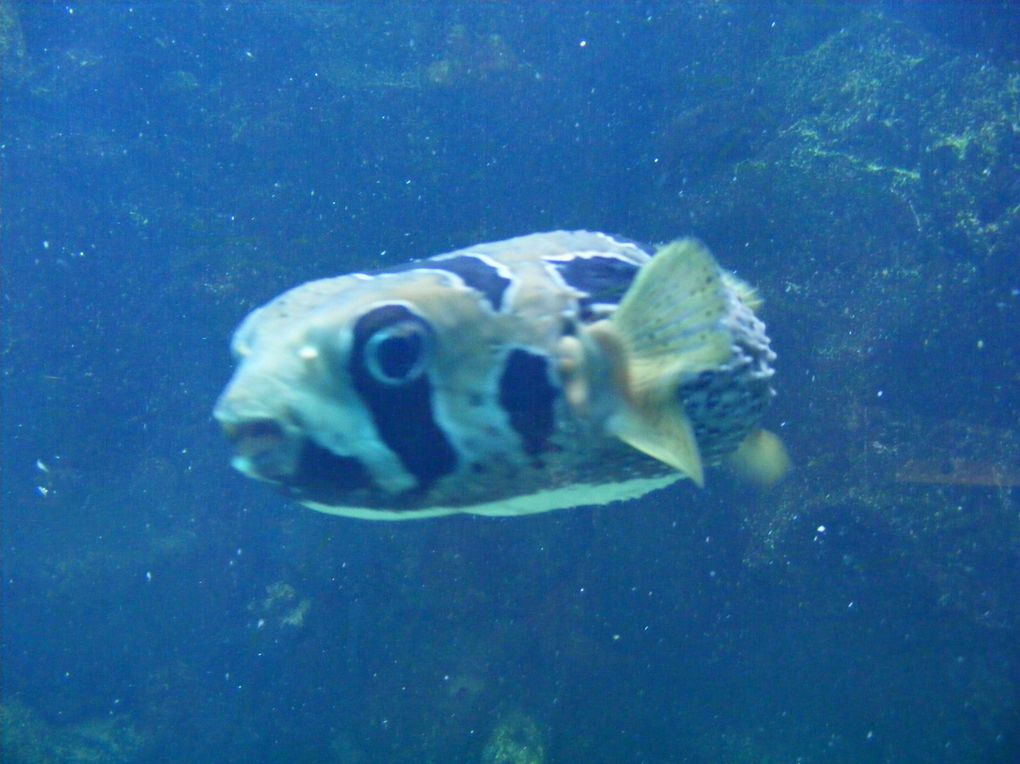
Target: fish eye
[[399, 353]]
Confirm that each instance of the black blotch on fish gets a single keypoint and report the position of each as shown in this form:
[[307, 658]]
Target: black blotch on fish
[[602, 279], [529, 398], [324, 476], [474, 272], [478, 275], [402, 412]]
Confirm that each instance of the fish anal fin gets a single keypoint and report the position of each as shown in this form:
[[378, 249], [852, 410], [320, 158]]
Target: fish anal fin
[[664, 433]]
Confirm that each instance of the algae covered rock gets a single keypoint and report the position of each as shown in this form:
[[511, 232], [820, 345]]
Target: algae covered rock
[[880, 195], [516, 739], [26, 738]]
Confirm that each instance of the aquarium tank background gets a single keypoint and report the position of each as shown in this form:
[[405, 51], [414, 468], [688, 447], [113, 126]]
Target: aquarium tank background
[[168, 166]]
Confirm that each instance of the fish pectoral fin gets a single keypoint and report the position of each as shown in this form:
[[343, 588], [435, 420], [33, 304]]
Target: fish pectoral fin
[[672, 319], [670, 324], [663, 432]]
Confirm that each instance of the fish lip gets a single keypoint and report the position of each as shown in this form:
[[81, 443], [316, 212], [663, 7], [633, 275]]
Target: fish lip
[[263, 449], [268, 450]]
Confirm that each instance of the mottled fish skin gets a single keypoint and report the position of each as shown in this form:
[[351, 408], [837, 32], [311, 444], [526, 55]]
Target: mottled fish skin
[[438, 387]]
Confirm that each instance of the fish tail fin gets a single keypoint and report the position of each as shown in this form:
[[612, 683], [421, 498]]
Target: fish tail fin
[[761, 459], [671, 323]]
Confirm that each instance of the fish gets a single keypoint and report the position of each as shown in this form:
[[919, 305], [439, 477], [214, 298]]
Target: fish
[[542, 372]]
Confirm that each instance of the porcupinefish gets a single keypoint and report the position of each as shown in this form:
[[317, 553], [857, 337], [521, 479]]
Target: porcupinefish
[[546, 371]]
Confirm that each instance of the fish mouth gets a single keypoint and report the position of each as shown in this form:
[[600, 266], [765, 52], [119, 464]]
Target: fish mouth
[[265, 450]]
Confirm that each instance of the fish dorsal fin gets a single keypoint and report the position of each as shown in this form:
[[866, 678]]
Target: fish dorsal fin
[[746, 293], [671, 323]]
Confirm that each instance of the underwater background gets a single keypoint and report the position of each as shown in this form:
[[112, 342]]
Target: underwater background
[[168, 166]]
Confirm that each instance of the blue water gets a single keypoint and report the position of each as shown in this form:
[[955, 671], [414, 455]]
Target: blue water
[[167, 167]]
